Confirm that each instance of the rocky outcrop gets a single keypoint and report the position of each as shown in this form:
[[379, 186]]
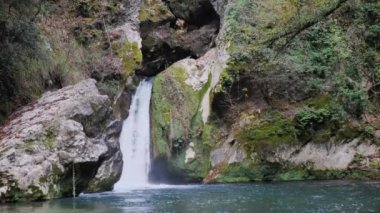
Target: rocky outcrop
[[329, 156], [169, 34], [228, 153], [358, 159], [180, 110], [281, 109], [43, 142]]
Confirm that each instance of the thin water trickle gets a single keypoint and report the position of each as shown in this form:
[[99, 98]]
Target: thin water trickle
[[135, 141]]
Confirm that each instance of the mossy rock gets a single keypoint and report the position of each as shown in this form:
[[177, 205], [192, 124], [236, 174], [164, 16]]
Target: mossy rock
[[292, 175], [246, 172], [175, 106], [268, 131], [130, 56], [177, 121], [103, 185], [155, 11]]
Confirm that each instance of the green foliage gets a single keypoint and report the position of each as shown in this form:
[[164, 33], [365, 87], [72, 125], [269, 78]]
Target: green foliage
[[131, 57], [352, 97], [374, 35], [251, 25], [319, 120], [30, 61], [311, 118], [324, 54]]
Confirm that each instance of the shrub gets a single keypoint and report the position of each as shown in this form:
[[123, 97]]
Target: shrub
[[309, 118]]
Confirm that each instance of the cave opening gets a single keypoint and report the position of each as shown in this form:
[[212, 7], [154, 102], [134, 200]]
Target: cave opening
[[169, 41]]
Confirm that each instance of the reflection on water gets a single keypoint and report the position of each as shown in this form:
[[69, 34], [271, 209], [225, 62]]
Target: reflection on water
[[321, 196]]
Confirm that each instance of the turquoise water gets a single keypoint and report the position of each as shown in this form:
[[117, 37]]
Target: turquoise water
[[315, 196]]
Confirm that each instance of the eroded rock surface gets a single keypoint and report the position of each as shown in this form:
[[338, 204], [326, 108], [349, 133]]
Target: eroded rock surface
[[42, 143]]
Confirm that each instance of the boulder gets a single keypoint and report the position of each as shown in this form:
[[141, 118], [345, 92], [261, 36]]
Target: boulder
[[41, 144]]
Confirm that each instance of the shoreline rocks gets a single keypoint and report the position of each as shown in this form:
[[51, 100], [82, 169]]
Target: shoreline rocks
[[41, 144]]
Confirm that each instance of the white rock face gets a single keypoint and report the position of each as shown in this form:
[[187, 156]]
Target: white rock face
[[228, 153], [327, 156], [190, 153], [211, 65], [41, 141], [130, 29]]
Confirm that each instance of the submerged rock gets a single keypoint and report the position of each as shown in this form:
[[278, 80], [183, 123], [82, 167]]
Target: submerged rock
[[42, 143]]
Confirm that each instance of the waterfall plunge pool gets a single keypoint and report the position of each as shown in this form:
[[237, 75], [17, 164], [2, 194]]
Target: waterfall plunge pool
[[133, 193], [306, 196]]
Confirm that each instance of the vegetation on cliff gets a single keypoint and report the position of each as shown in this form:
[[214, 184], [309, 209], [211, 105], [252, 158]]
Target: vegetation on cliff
[[300, 73], [46, 45], [309, 69]]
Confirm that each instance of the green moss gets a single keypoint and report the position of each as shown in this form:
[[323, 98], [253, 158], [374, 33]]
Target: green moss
[[268, 132], [375, 165], [319, 101], [292, 175], [329, 174], [49, 140], [131, 57], [177, 122], [175, 110], [104, 185], [15, 195], [193, 171], [247, 171], [161, 117]]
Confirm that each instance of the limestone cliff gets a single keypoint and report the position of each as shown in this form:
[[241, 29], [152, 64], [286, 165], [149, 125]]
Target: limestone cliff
[[43, 142], [292, 98], [244, 90]]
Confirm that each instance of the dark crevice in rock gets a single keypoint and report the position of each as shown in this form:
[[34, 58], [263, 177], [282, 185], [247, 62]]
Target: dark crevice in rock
[[196, 13], [190, 34], [162, 172], [160, 59], [84, 172]]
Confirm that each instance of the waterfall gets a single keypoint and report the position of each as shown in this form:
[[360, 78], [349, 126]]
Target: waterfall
[[135, 141]]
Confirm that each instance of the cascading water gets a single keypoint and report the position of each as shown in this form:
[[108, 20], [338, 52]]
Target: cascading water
[[135, 141]]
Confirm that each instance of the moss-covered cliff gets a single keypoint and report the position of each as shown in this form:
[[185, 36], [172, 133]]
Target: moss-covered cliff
[[301, 78], [46, 45], [245, 90]]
